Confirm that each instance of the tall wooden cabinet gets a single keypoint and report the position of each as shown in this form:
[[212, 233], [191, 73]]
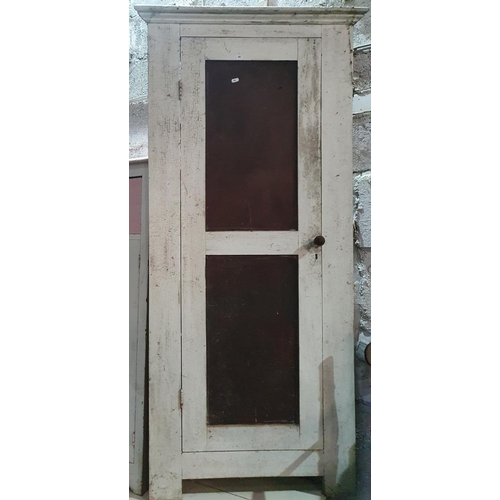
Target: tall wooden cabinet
[[251, 345]]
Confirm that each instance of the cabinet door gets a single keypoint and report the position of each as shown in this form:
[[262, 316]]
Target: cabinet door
[[251, 274]]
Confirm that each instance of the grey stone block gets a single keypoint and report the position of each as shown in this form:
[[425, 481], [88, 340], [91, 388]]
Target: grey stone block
[[361, 142], [138, 78], [138, 129], [362, 30], [362, 306], [362, 209], [362, 72]]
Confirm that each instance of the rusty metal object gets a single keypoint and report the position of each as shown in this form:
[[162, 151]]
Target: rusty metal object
[[368, 353]]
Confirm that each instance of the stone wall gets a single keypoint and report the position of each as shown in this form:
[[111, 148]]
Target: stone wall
[[361, 129]]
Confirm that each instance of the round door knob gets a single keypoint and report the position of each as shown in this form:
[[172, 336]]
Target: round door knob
[[319, 241]]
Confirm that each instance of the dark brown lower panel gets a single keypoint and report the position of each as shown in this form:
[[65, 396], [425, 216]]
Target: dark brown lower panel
[[252, 339]]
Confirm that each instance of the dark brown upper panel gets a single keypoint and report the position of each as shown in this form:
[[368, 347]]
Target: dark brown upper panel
[[251, 145]]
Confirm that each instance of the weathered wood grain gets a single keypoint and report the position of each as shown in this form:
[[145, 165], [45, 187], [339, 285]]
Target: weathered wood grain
[[251, 464], [252, 243], [249, 31], [255, 49], [193, 245], [338, 338], [309, 195], [164, 278]]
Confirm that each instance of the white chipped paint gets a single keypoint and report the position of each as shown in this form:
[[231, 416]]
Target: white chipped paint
[[338, 298]]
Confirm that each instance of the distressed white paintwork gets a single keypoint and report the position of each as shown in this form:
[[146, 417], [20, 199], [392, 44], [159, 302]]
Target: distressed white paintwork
[[249, 15], [309, 203], [257, 31], [253, 437], [252, 464], [252, 243], [338, 338], [165, 469], [193, 246], [138, 310], [197, 436], [254, 49], [336, 366]]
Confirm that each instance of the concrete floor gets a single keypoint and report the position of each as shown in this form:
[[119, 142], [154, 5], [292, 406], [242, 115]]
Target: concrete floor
[[296, 488], [250, 489]]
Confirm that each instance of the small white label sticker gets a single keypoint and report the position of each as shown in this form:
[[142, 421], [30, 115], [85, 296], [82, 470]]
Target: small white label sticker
[[234, 80]]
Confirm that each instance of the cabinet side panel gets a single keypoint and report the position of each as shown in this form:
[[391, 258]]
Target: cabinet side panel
[[338, 338], [164, 246]]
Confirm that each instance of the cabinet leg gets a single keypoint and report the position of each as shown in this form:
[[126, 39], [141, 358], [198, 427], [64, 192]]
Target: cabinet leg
[[339, 488], [166, 488]]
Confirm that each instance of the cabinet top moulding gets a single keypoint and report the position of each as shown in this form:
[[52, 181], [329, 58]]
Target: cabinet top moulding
[[249, 15]]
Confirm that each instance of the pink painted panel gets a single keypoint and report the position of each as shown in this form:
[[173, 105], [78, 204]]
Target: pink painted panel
[[135, 194]]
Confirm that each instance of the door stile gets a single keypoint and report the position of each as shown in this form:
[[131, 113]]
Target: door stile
[[193, 243], [310, 259]]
